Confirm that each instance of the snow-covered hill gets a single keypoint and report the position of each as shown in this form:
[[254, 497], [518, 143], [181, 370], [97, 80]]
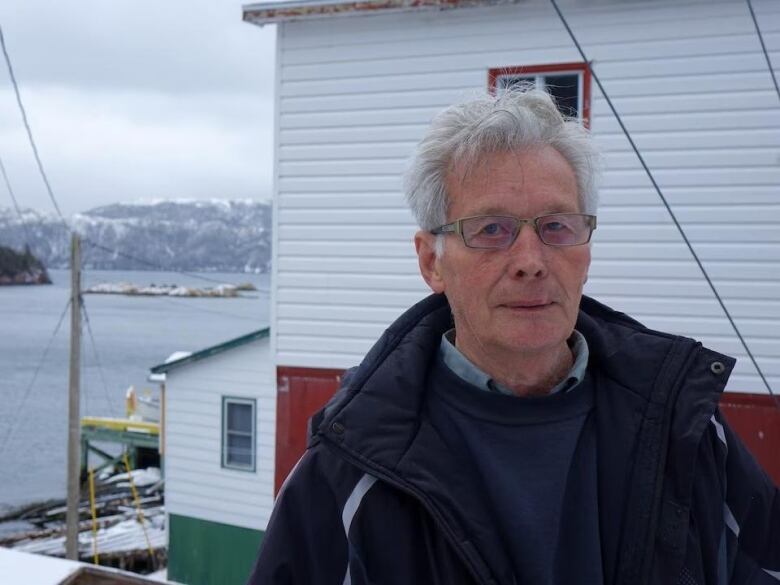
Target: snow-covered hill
[[214, 235]]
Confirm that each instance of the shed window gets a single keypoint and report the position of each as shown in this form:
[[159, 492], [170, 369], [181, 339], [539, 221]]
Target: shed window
[[238, 433], [568, 83]]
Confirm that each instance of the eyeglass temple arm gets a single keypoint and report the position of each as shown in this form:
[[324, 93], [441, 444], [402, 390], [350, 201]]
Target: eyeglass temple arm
[[445, 229]]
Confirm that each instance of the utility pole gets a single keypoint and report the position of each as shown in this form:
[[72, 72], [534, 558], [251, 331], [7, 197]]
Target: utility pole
[[74, 438]]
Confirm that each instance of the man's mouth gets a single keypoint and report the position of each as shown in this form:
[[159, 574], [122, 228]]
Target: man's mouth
[[528, 305]]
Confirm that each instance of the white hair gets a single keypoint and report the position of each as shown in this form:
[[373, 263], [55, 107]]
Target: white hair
[[464, 134]]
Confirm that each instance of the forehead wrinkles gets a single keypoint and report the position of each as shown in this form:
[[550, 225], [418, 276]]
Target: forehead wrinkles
[[476, 169], [486, 175], [468, 165]]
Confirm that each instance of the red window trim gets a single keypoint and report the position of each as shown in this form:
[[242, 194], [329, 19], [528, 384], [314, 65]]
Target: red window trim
[[495, 72]]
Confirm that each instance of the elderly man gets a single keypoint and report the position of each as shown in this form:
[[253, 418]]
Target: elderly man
[[508, 430]]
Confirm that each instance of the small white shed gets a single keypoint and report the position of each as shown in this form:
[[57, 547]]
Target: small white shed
[[218, 432], [358, 83]]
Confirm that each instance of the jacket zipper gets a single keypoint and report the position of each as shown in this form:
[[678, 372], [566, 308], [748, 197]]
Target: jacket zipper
[[638, 572]]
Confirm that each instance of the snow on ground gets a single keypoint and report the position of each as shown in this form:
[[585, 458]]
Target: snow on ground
[[125, 536], [141, 477], [161, 575], [22, 568], [19, 568]]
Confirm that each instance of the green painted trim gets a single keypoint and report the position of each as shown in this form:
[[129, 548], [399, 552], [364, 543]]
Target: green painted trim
[[210, 351], [130, 438], [209, 553]]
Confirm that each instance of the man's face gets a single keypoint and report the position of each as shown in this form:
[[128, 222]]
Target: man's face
[[524, 299]]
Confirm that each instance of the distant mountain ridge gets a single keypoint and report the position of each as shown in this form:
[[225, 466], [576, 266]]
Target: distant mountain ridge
[[175, 234]]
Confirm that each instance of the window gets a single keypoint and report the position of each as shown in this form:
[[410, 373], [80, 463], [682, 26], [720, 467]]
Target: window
[[238, 433], [568, 83]]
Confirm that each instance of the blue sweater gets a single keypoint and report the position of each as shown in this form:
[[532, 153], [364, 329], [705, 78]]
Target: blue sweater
[[536, 458]]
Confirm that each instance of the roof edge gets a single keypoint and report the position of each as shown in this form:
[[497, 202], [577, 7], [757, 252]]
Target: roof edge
[[263, 13], [210, 351]]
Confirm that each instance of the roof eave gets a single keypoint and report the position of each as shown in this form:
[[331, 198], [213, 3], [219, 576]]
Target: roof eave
[[210, 351], [264, 13]]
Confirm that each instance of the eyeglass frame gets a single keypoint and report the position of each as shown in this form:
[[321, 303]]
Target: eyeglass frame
[[456, 227]]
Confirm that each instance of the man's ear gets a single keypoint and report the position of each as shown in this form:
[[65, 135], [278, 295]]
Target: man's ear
[[425, 244]]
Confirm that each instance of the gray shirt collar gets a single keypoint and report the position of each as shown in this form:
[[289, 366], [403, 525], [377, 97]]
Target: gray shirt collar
[[466, 370]]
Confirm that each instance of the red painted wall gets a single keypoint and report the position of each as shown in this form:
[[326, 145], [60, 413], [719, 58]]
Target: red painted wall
[[300, 393], [303, 391], [756, 418]]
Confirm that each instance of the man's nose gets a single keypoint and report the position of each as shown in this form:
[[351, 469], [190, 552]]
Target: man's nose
[[528, 254]]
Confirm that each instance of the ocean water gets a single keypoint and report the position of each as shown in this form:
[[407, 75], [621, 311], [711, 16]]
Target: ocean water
[[131, 334]]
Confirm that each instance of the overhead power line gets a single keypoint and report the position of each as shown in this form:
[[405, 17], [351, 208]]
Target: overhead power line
[[148, 263], [29, 130], [663, 198], [16, 204], [97, 358], [50, 191], [16, 420], [763, 47], [177, 301]]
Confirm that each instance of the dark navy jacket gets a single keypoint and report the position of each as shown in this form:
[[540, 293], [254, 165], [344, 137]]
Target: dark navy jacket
[[378, 499]]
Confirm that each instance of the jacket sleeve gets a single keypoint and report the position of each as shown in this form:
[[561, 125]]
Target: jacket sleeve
[[304, 543], [751, 514]]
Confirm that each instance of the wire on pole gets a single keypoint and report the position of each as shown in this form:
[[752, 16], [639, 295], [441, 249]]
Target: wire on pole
[[49, 189], [17, 418], [97, 358], [663, 199], [199, 309], [16, 204], [763, 47], [148, 263], [29, 130]]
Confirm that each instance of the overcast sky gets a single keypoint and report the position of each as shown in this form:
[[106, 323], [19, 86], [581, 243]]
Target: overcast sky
[[136, 100]]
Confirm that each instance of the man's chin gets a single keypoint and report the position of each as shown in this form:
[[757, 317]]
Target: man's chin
[[537, 339]]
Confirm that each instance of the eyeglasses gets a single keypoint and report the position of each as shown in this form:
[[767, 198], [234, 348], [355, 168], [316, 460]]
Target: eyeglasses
[[495, 232]]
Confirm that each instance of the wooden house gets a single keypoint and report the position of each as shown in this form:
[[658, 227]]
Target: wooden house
[[218, 438], [357, 83]]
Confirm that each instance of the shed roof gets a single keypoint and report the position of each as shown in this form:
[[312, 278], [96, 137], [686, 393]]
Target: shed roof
[[36, 569], [210, 351], [263, 13]]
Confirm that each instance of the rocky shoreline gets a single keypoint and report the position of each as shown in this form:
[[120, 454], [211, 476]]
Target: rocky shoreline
[[27, 277], [21, 268]]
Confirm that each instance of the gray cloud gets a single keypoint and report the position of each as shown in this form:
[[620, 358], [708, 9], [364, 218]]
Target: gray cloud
[[144, 99]]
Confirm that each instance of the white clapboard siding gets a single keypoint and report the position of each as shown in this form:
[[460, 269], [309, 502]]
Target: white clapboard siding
[[196, 484], [689, 79]]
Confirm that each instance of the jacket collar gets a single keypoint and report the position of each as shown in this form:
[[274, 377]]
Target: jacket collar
[[382, 395], [376, 421]]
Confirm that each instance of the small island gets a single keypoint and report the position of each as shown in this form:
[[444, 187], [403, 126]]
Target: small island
[[21, 268], [169, 290]]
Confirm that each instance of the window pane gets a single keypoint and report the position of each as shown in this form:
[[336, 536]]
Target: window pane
[[563, 87], [565, 90], [239, 450], [505, 82], [239, 417]]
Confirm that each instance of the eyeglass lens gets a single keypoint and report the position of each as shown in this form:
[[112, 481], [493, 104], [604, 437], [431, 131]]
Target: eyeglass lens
[[563, 229]]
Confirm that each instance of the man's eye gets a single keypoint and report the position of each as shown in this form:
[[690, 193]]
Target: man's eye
[[554, 226], [491, 229]]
